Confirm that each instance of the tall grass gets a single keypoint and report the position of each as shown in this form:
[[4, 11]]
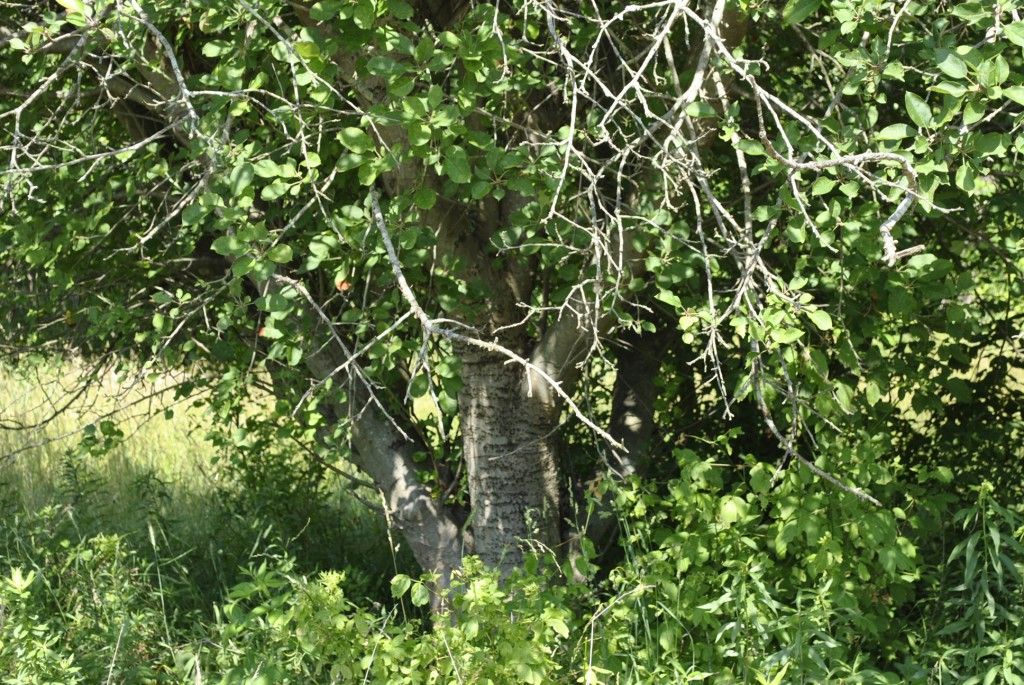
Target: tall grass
[[123, 457], [36, 438]]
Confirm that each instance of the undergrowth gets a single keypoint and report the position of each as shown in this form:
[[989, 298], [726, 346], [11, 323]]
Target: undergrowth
[[114, 568], [703, 594]]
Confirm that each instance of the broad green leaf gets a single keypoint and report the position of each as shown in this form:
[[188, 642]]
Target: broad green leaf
[[76, 6], [872, 392], [418, 134], [895, 132], [401, 9], [731, 509], [326, 10], [306, 49], [919, 111], [420, 595], [228, 245], [456, 165], [823, 185], [364, 14], [280, 253], [760, 478], [821, 319], [964, 178], [367, 174], [993, 72], [670, 298], [844, 397], [947, 88], [424, 198], [1015, 93], [449, 40], [400, 584], [274, 190], [267, 168], [988, 144], [796, 11], [701, 110], [355, 139], [750, 147], [424, 49], [786, 335], [1015, 33], [950, 64], [240, 178]]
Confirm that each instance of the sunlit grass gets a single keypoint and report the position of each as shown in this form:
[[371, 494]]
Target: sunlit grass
[[160, 482]]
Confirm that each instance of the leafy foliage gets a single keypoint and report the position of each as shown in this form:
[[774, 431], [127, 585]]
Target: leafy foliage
[[800, 222]]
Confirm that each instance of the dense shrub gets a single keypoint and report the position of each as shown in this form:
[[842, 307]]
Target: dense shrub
[[717, 583]]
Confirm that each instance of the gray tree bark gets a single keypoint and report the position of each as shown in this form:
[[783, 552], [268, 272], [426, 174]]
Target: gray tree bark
[[508, 442]]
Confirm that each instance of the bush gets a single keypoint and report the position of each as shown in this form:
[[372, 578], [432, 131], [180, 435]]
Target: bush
[[718, 583]]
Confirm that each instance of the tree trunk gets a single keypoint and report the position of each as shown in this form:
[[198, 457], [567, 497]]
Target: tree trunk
[[508, 443]]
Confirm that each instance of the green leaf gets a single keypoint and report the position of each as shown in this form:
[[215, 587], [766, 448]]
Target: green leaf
[[701, 110], [894, 70], [895, 132], [384, 66], [950, 64], [919, 111], [274, 190], [449, 40], [1015, 33], [750, 147], [325, 10], [1015, 93], [731, 509], [368, 174], [973, 112], [228, 245], [424, 198], [76, 6], [355, 139], [844, 397], [364, 14], [760, 478], [424, 49], [964, 178], [267, 168], [401, 10], [456, 165], [240, 178], [670, 298], [400, 584], [418, 134], [873, 393], [951, 89], [796, 11], [821, 319], [420, 595], [786, 335], [280, 253], [987, 144], [241, 266], [822, 186], [993, 72], [306, 49], [667, 638]]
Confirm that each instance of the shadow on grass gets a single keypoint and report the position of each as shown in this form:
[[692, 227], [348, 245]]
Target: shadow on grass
[[207, 532]]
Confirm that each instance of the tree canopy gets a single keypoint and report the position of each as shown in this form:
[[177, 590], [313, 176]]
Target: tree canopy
[[501, 258]]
